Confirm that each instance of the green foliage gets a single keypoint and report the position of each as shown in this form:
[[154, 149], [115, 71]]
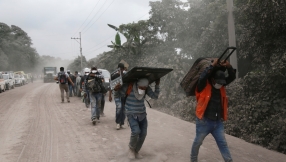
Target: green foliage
[[117, 39], [137, 34]]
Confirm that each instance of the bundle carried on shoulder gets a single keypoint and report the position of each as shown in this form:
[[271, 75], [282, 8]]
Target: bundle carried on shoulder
[[190, 81]]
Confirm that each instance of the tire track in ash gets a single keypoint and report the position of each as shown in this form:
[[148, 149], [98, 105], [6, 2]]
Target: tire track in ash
[[15, 119], [31, 148]]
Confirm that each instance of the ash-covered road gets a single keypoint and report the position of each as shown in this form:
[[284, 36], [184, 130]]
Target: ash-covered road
[[36, 127]]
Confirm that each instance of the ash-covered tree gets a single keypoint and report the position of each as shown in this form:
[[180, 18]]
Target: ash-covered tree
[[16, 48]]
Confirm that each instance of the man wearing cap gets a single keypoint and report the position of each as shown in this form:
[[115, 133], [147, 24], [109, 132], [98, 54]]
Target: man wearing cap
[[120, 110], [211, 109], [136, 111]]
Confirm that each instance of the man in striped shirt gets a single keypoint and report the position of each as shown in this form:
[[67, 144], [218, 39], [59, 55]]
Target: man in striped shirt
[[136, 111]]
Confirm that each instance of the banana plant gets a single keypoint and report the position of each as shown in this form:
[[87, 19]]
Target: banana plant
[[117, 43], [132, 32]]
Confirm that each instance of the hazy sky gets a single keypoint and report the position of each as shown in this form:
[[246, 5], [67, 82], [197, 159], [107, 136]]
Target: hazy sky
[[52, 23]]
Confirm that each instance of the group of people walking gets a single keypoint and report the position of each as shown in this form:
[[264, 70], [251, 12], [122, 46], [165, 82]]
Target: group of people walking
[[211, 109]]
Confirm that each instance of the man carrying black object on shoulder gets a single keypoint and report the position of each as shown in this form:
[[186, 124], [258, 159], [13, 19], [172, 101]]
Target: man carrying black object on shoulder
[[212, 107], [136, 111], [120, 110]]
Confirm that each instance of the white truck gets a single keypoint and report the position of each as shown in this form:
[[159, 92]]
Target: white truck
[[2, 84], [10, 81]]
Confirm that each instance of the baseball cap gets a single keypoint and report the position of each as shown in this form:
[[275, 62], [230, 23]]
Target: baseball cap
[[121, 65], [220, 77]]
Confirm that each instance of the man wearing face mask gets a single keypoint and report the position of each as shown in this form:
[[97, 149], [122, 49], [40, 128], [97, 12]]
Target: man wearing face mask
[[136, 111], [211, 107], [95, 97]]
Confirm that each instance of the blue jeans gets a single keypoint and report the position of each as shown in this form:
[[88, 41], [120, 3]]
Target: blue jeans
[[71, 90], [138, 132], [203, 128], [120, 111], [95, 101]]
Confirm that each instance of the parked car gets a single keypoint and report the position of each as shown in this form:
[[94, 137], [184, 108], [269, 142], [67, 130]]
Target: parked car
[[24, 79], [18, 80], [2, 84], [106, 75], [27, 78], [10, 82]]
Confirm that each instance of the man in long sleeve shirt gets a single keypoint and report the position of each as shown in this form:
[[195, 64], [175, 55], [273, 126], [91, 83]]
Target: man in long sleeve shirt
[[136, 111], [212, 107]]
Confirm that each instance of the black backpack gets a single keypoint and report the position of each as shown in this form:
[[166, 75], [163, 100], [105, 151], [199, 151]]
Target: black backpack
[[62, 78], [95, 85]]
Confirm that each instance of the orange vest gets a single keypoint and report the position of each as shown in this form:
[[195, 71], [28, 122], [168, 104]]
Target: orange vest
[[203, 99]]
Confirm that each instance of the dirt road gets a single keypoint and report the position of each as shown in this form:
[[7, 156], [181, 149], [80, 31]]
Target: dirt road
[[36, 127]]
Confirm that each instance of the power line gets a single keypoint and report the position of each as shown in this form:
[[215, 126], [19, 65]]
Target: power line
[[99, 43], [96, 49], [94, 15], [98, 17], [89, 50], [87, 17]]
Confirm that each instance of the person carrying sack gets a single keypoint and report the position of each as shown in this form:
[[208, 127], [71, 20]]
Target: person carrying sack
[[211, 109]]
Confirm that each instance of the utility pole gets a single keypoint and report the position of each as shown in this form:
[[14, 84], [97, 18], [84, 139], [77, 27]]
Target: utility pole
[[231, 35], [80, 49]]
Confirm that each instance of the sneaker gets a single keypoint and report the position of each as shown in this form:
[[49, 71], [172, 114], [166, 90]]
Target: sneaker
[[121, 126], [93, 121], [117, 126], [102, 115], [68, 100], [138, 156], [131, 154], [97, 120]]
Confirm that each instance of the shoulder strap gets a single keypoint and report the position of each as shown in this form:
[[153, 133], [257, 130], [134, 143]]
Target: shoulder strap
[[129, 89]]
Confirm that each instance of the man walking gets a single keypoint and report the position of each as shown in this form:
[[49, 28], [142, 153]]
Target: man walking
[[120, 110], [71, 86], [83, 88], [77, 80], [95, 94], [63, 79], [136, 111], [212, 108]]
